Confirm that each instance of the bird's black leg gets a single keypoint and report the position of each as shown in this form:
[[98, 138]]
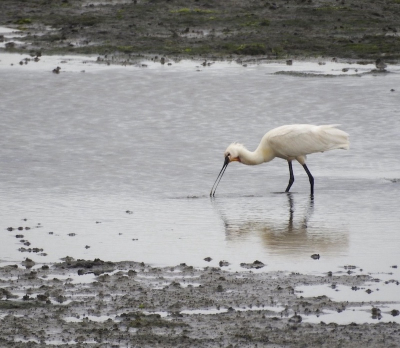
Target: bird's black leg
[[291, 179], [310, 177]]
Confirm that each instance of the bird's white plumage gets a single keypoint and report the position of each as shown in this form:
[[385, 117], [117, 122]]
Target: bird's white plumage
[[290, 142]]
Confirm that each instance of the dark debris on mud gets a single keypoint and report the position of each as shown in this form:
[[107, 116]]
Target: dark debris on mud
[[131, 304]]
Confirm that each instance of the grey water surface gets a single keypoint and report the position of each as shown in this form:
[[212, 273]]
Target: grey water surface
[[118, 164]]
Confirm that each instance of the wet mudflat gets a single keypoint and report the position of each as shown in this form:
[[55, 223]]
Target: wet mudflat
[[129, 304], [112, 163], [278, 29]]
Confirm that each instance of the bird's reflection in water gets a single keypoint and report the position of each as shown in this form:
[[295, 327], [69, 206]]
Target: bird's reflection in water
[[294, 233]]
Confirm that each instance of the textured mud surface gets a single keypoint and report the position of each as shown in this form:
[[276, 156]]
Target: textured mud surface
[[218, 29], [129, 304]]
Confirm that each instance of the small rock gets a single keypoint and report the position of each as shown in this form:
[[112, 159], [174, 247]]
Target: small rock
[[376, 313], [295, 319], [42, 297], [220, 288], [380, 64], [224, 263], [28, 263], [10, 44], [256, 264]]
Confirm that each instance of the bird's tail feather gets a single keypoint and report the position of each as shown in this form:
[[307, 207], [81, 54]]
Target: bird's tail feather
[[338, 139]]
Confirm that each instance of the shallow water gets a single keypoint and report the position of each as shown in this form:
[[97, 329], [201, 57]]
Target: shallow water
[[124, 158]]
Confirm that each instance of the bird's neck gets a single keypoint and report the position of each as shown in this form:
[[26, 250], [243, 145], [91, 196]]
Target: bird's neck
[[260, 155]]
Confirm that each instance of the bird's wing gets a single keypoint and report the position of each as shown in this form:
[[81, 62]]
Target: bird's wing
[[301, 140]]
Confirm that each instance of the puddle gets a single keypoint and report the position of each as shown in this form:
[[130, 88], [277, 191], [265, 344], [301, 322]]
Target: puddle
[[358, 315], [374, 291], [212, 311], [100, 318]]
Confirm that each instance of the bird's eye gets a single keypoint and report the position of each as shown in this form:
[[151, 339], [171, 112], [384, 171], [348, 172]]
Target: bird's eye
[[228, 155]]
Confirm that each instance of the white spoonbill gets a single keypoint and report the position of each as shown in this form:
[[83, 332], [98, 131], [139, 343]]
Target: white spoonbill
[[291, 142]]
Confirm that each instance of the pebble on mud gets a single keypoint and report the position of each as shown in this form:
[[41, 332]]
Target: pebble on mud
[[256, 264], [295, 319], [223, 263], [28, 263]]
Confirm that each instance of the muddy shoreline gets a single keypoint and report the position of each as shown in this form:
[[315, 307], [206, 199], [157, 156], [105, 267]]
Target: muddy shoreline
[[130, 304], [228, 29]]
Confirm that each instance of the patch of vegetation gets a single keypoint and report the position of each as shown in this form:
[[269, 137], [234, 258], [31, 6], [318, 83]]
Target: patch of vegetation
[[19, 305], [372, 46], [189, 11], [23, 21], [363, 48], [333, 8], [84, 20], [126, 49], [278, 51], [252, 49], [120, 14], [296, 23], [138, 319], [263, 23]]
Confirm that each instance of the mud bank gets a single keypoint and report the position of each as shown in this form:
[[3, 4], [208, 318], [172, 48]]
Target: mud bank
[[130, 304], [218, 29]]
